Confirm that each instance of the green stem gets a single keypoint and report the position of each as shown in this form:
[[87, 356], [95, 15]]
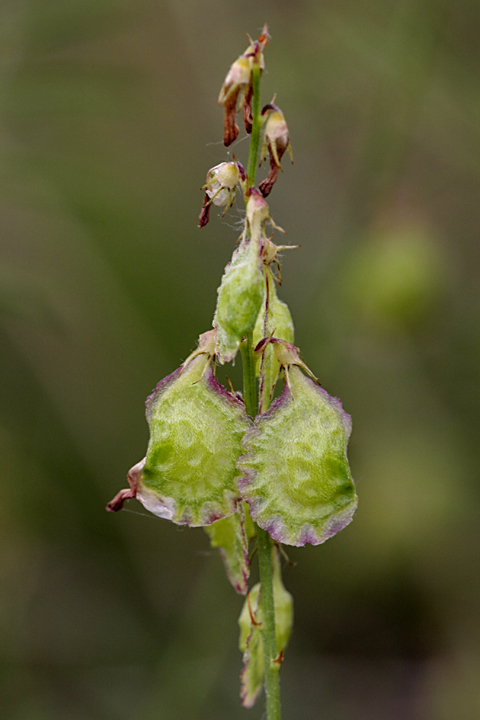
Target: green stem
[[264, 542], [270, 652], [256, 126], [249, 376]]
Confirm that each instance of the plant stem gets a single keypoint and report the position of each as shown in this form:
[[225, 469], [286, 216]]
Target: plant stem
[[264, 542], [270, 652], [256, 126], [249, 376]]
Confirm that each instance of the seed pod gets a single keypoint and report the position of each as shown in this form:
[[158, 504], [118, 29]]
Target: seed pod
[[230, 536], [189, 474], [240, 298], [250, 622], [274, 318], [296, 477]]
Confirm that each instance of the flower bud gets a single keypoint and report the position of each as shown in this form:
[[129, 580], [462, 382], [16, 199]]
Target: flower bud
[[189, 474], [258, 213], [276, 140], [250, 622], [296, 477], [221, 187]]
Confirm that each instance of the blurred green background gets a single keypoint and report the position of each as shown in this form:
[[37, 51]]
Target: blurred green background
[[108, 125]]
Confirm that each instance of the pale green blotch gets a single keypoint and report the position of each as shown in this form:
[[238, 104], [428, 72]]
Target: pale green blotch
[[196, 430], [279, 322], [297, 479], [240, 298], [229, 535], [251, 642]]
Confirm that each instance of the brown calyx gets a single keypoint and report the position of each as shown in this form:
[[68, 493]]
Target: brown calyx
[[133, 477], [247, 109], [205, 212], [230, 127], [266, 185]]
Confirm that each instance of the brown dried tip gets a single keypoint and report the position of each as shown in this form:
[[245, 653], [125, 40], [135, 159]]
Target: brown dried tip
[[230, 127], [264, 37], [266, 185], [118, 501], [205, 212], [133, 478]]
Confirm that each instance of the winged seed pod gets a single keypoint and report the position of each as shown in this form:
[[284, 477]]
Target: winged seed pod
[[250, 622], [296, 476], [189, 474]]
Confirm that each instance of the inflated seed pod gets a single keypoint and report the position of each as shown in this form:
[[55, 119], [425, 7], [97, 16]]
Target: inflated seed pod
[[230, 536], [189, 474], [296, 476], [251, 644], [240, 297]]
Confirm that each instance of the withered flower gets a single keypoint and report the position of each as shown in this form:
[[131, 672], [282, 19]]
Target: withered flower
[[238, 88], [276, 140]]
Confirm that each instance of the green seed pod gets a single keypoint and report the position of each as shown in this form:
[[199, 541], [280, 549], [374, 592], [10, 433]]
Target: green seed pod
[[189, 474], [230, 536], [240, 298], [296, 475], [275, 318], [250, 622]]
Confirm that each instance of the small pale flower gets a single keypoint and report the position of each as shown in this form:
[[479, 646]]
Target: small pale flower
[[276, 140], [221, 188]]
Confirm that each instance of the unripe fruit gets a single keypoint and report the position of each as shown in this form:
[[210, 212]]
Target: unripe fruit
[[296, 475]]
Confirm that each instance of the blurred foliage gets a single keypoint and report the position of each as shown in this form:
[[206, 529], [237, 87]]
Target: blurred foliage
[[108, 123]]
